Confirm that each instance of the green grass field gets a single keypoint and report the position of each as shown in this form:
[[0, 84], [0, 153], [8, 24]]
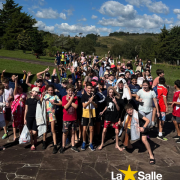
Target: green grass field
[[27, 55]]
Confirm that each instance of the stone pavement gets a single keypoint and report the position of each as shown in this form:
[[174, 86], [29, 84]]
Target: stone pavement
[[17, 162]]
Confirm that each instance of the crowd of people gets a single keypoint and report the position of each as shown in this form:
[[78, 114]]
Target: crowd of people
[[80, 107]]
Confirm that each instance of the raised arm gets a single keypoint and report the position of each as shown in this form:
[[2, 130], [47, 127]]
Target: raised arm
[[43, 72], [16, 85], [27, 79], [2, 75]]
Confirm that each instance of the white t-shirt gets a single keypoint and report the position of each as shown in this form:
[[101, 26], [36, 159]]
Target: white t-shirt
[[147, 100], [75, 64], [8, 93]]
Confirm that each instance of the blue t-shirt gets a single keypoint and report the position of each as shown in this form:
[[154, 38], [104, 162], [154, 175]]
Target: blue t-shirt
[[58, 59]]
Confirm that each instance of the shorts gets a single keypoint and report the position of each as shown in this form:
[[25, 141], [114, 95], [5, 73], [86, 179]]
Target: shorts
[[69, 125], [31, 123], [51, 117], [67, 61], [7, 114], [115, 125], [2, 121], [177, 119], [162, 116], [85, 122], [62, 62], [147, 115], [58, 63], [145, 133]]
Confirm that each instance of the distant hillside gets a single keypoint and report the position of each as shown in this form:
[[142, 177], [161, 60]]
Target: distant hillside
[[112, 40]]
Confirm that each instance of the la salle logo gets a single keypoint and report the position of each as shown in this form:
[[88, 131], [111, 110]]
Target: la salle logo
[[129, 175]]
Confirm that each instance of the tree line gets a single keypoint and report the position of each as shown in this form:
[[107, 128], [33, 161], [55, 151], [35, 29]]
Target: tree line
[[17, 31]]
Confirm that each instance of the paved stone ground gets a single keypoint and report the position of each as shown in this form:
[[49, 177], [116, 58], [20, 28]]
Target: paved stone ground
[[18, 162]]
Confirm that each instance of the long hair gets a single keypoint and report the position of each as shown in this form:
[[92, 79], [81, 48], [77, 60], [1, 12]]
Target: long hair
[[116, 94], [147, 82]]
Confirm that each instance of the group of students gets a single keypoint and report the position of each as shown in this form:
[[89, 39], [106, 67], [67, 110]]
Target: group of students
[[84, 106]]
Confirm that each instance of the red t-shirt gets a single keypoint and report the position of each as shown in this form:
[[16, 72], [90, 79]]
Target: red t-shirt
[[41, 89], [176, 108], [70, 114], [162, 92]]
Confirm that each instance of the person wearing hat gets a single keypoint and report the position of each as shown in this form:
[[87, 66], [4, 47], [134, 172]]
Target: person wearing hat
[[62, 58], [111, 80], [30, 116], [39, 83]]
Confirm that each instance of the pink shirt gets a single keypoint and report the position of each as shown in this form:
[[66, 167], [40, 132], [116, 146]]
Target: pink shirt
[[155, 82]]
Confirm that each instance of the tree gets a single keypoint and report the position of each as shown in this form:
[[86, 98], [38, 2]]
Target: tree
[[85, 45], [12, 23], [93, 37], [37, 43]]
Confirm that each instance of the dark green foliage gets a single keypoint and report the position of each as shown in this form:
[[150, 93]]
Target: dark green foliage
[[121, 33], [86, 45]]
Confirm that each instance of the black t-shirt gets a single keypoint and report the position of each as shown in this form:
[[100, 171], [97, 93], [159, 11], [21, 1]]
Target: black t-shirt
[[31, 102], [89, 61], [112, 114]]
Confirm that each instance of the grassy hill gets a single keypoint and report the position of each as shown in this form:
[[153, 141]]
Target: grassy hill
[[112, 40]]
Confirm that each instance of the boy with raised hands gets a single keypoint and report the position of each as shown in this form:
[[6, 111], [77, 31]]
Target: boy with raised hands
[[89, 103]]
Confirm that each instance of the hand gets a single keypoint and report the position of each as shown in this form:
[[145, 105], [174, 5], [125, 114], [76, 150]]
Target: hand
[[56, 90], [52, 102], [141, 129], [101, 113], [114, 100], [167, 109], [47, 69], [4, 71], [91, 99], [25, 122], [24, 71], [140, 100], [16, 78], [29, 74], [158, 114]]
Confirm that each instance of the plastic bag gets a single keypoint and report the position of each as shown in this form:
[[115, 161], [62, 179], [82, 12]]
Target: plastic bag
[[25, 136]]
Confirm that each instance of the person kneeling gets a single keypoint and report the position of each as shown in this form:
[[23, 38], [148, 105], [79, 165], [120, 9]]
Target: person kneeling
[[136, 126]]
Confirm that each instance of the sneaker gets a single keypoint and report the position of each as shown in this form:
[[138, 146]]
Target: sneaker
[[4, 136], [162, 138], [44, 145], [176, 137], [62, 150], [91, 147], [83, 147], [55, 150], [75, 149], [67, 141], [178, 141]]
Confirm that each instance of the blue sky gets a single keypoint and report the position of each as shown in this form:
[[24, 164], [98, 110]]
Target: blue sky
[[72, 17]]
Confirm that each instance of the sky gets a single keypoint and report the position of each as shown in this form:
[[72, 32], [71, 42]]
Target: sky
[[71, 17]]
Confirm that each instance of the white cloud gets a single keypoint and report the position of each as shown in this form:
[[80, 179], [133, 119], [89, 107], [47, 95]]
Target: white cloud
[[83, 19], [42, 26], [65, 27], [114, 8], [153, 6], [41, 2], [93, 17], [50, 14], [178, 16], [145, 21], [69, 11], [176, 11]]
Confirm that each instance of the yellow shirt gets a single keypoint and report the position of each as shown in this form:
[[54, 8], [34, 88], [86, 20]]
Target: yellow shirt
[[62, 57]]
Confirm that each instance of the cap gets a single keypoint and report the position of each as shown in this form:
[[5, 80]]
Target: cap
[[64, 80], [106, 73], [39, 80], [47, 74], [35, 89], [95, 78], [62, 52], [108, 68], [94, 83], [96, 56], [101, 82], [113, 66]]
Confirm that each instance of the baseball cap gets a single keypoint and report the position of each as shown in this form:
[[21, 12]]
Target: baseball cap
[[64, 80], [94, 83], [35, 89], [95, 78], [113, 66], [62, 52], [106, 73], [47, 74], [39, 80]]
